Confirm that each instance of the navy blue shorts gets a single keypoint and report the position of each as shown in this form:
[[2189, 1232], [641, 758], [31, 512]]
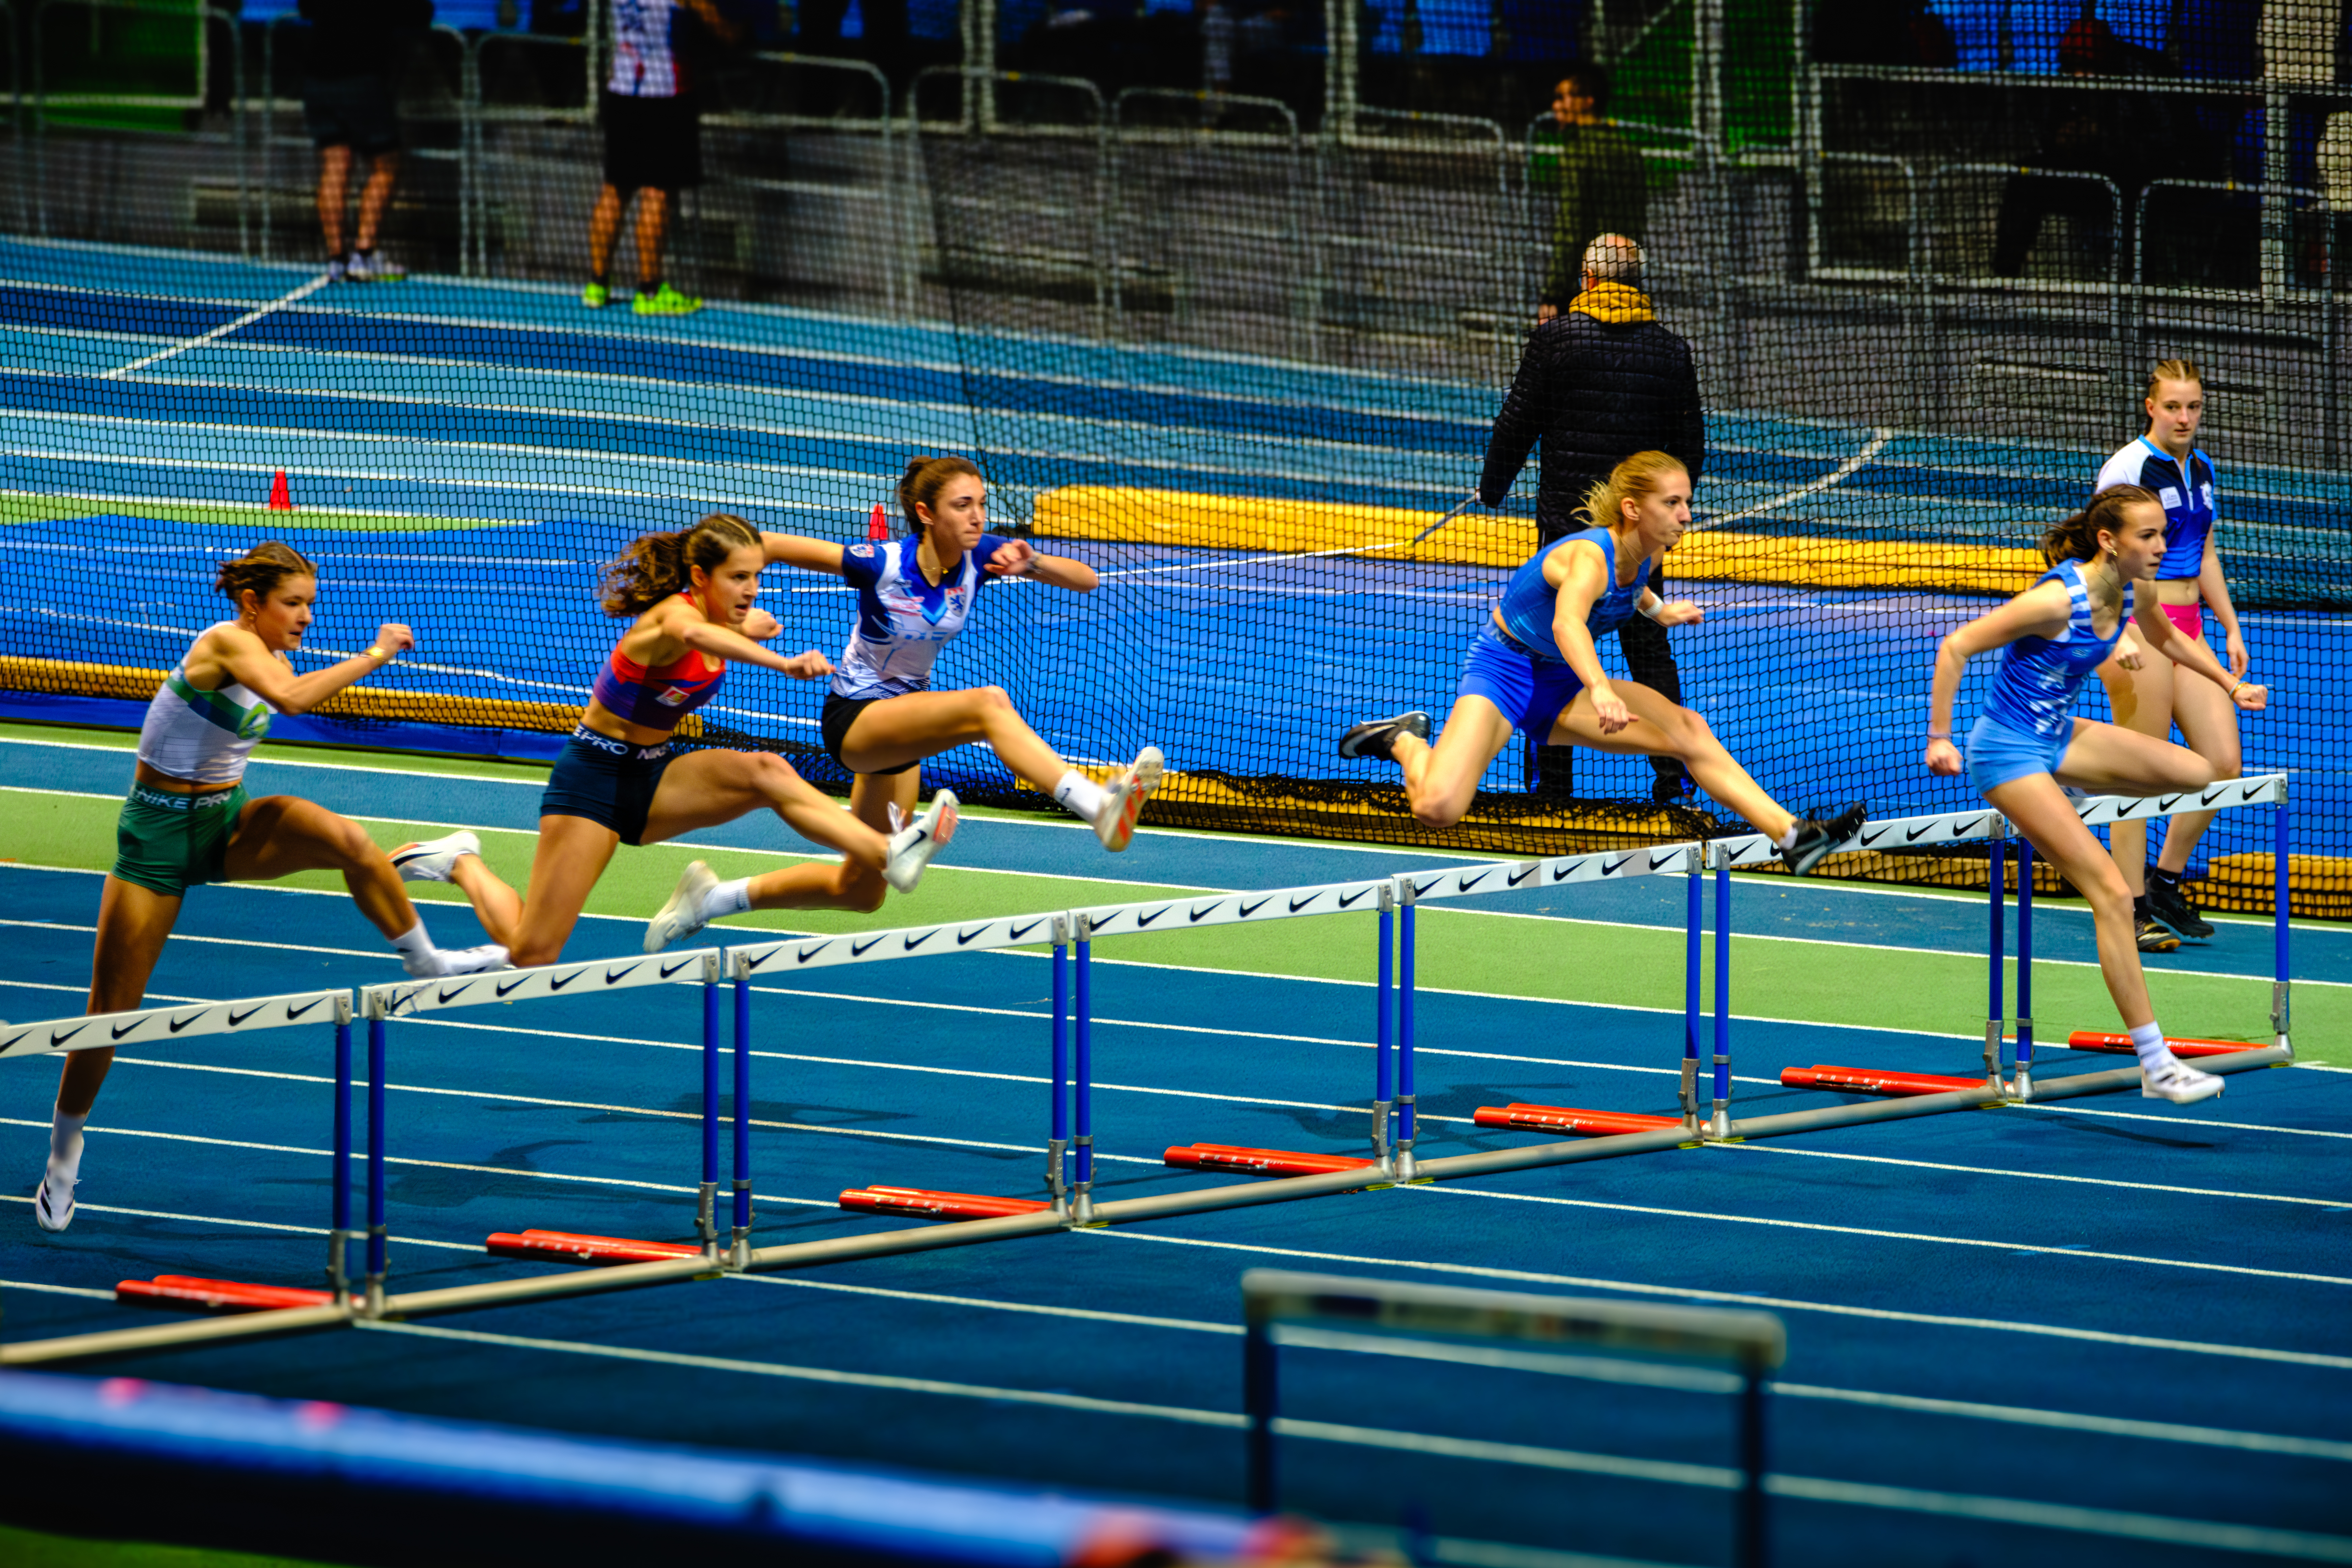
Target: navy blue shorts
[[354, 112], [606, 781], [1531, 692], [1999, 754]]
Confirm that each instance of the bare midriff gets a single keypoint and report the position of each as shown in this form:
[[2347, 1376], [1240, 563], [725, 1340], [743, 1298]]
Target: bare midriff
[[611, 726], [155, 779]]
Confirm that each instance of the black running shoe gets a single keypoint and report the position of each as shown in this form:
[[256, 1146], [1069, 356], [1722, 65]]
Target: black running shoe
[[1816, 839], [1666, 789], [2153, 938], [1377, 737], [2169, 905]]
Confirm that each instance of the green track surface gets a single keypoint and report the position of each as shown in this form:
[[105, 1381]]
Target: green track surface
[[30, 1549], [227, 514], [1826, 982]]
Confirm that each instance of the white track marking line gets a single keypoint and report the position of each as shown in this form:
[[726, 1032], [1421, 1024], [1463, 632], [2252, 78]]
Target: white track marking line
[[222, 941], [1875, 1234], [299, 292], [2034, 1176], [57, 1289], [1839, 474], [1742, 1298], [2180, 1122], [305, 1230], [1081, 1313], [2067, 1420]]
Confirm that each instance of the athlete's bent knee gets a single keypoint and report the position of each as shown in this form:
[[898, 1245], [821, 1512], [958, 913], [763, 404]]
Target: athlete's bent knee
[[994, 698]]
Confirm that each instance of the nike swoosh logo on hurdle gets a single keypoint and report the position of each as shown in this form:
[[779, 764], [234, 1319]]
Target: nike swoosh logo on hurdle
[[965, 937], [912, 942], [58, 1039], [1917, 834], [120, 1030], [612, 979], [1197, 916], [446, 994], [2170, 801], [235, 1018], [801, 955], [1142, 921], [1610, 868], [510, 985], [1655, 862], [294, 1013], [1563, 873], [175, 1024], [1519, 877], [1018, 933], [1870, 839], [2250, 790], [1351, 898], [559, 984], [1468, 881], [856, 948], [1246, 911], [1298, 904], [670, 969]]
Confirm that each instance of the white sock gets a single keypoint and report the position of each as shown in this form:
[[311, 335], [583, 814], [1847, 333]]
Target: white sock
[[65, 1145], [1787, 841], [2147, 1041], [416, 943], [1081, 794], [727, 899]]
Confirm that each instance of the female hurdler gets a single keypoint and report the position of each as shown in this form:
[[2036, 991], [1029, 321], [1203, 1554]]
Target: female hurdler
[[881, 717], [1533, 667], [691, 596], [2025, 748], [188, 820], [2151, 698]]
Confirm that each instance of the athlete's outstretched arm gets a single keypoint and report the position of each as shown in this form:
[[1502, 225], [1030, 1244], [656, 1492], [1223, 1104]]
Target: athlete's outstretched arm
[[808, 554], [2040, 610], [682, 623], [2166, 641], [251, 664], [1581, 580], [1015, 558]]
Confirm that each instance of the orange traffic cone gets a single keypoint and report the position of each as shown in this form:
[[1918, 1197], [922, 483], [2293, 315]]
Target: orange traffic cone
[[878, 525], [280, 498]]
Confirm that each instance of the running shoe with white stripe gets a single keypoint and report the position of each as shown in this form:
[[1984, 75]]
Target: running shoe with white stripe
[[1815, 840], [441, 961], [47, 1214], [912, 847], [1377, 737], [2171, 1079], [433, 859], [682, 916], [1124, 797]]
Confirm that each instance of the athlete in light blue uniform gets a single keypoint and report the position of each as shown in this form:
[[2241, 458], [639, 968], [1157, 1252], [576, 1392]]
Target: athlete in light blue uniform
[[1533, 667], [2026, 747], [915, 594]]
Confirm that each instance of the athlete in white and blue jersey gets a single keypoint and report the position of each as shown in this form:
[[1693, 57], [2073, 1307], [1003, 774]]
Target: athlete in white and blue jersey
[[2026, 748], [2166, 462], [882, 718], [1533, 667]]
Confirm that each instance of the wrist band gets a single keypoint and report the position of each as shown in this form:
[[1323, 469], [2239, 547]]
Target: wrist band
[[375, 652], [1933, 736], [1648, 612]]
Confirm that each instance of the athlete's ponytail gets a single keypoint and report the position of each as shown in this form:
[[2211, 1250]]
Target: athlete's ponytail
[[656, 566], [925, 479], [2077, 538], [1634, 479], [259, 570]]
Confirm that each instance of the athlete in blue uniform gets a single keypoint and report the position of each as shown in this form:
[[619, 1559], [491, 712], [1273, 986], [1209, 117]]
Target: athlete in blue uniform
[[914, 594], [2026, 746], [691, 599], [1532, 667], [2152, 699]]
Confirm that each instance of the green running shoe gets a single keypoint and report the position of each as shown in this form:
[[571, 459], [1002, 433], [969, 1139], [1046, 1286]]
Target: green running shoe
[[667, 301], [597, 296]]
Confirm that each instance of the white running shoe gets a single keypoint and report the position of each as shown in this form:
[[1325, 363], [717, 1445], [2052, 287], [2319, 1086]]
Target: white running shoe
[[912, 847], [1127, 794], [374, 266], [45, 1212], [682, 916], [443, 962], [2174, 1079], [433, 859]]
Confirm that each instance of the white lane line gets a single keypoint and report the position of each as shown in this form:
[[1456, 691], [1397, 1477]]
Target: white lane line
[[305, 1230], [2179, 1122], [1742, 1298], [1875, 1234], [1839, 474], [2038, 1175], [2067, 1420], [1085, 1314], [50, 1289], [299, 292], [817, 1374], [216, 941]]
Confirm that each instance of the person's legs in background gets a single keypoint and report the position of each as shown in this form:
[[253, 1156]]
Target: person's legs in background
[[1650, 659], [603, 234], [334, 191]]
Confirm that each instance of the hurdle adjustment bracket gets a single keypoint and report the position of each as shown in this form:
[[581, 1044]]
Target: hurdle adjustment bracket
[[1690, 1095], [2021, 1082], [2279, 1017]]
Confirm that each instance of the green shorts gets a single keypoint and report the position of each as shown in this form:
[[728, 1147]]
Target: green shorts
[[170, 843]]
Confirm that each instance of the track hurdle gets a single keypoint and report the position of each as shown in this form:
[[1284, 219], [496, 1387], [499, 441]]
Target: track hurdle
[[380, 1004], [187, 1021], [2012, 1080], [1278, 1306], [798, 955]]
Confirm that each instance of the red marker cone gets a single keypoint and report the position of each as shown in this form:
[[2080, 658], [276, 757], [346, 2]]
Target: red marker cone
[[280, 498], [878, 525]]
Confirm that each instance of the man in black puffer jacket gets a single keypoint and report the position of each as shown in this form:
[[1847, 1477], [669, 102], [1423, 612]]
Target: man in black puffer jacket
[[1597, 384]]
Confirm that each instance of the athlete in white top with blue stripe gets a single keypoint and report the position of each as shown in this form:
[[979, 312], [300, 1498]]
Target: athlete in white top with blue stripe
[[915, 594], [188, 820], [2026, 748]]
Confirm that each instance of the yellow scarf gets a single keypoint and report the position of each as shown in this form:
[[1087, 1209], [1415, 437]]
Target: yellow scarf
[[1615, 303]]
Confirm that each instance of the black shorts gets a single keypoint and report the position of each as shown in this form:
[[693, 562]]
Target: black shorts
[[606, 781], [353, 111], [654, 141], [840, 712]]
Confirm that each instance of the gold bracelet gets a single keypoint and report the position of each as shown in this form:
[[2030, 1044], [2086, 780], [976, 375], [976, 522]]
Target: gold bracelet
[[375, 652]]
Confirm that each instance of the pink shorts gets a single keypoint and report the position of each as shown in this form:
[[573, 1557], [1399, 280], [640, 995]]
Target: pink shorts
[[2189, 618]]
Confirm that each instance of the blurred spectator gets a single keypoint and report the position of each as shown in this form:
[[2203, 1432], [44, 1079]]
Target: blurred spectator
[[1598, 176], [1882, 32], [351, 75], [1216, 44], [652, 145]]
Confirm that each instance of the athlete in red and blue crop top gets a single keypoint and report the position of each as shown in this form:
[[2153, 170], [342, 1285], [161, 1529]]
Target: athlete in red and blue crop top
[[2153, 698], [694, 596]]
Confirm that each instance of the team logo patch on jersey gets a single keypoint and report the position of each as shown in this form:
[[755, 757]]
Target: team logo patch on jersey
[[863, 552], [673, 696]]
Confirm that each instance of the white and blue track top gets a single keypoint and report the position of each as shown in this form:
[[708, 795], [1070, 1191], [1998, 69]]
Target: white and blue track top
[[2033, 691], [903, 621], [2187, 500]]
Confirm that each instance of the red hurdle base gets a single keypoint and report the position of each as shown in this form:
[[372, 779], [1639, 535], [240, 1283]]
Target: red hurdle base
[[563, 1246], [215, 1295], [1261, 1162], [1869, 1080], [2120, 1045], [1558, 1119], [918, 1203]]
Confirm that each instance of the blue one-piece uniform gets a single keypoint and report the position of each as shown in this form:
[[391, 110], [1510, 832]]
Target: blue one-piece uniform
[[2027, 721], [1520, 670]]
